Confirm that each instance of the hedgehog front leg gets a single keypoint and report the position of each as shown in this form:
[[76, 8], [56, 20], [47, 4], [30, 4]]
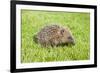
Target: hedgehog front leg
[[53, 43]]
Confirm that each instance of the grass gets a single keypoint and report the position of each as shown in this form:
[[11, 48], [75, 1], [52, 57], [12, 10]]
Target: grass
[[33, 21]]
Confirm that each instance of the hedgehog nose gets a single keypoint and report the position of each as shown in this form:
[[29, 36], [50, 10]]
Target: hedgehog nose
[[71, 40]]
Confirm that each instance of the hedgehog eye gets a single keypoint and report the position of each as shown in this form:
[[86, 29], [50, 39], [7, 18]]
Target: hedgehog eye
[[62, 31]]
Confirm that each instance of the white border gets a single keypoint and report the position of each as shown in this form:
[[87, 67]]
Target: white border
[[20, 65]]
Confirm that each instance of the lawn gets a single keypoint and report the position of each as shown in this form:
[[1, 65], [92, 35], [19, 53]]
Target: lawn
[[33, 21]]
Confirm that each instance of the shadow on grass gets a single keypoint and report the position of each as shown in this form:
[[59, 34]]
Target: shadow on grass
[[35, 39]]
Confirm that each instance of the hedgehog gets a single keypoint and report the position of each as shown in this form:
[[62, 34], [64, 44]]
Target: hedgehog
[[54, 35]]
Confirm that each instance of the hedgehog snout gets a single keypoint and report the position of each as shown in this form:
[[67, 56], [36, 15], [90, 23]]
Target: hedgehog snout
[[71, 39]]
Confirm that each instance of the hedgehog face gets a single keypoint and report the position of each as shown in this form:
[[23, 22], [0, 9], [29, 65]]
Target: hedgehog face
[[67, 36]]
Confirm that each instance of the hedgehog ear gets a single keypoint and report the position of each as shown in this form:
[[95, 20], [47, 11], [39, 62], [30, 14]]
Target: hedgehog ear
[[62, 31]]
